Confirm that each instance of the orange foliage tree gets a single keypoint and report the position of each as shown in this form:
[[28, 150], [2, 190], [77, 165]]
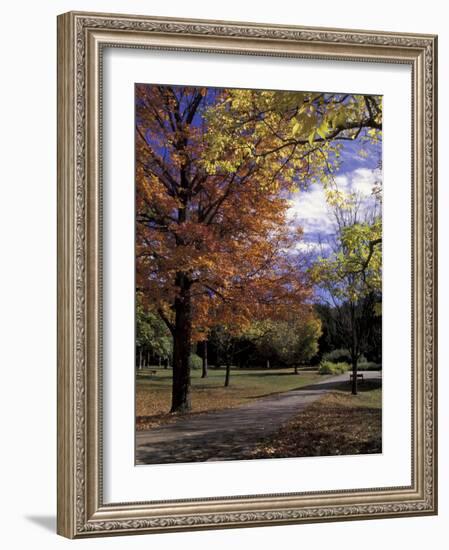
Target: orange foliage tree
[[213, 244]]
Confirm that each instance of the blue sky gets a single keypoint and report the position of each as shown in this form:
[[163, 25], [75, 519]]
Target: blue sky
[[356, 173]]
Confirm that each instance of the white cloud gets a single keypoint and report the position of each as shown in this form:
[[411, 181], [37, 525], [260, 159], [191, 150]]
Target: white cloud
[[309, 208], [363, 180], [312, 246]]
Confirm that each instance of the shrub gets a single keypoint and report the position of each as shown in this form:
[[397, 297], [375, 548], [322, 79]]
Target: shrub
[[341, 356], [337, 356], [328, 367], [369, 365], [195, 361]]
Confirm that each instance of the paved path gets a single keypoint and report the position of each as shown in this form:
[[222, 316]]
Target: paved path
[[229, 433]]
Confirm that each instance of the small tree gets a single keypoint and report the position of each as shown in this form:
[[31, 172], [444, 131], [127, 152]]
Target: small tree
[[307, 336], [351, 279], [224, 343], [152, 336], [292, 341]]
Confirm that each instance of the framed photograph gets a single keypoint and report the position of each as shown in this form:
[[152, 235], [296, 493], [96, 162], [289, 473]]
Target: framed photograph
[[246, 274]]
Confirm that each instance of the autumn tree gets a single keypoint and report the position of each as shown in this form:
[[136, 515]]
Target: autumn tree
[[213, 172], [351, 276]]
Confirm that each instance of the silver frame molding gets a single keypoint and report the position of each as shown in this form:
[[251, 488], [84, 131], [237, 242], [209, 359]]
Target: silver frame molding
[[81, 510]]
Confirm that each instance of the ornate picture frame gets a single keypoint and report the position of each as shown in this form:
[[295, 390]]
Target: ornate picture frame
[[82, 511]]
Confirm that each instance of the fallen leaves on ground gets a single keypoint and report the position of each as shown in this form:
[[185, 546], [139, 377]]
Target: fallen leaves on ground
[[337, 424]]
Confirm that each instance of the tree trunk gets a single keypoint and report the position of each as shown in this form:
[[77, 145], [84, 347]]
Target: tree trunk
[[354, 348], [182, 340], [228, 374], [354, 377], [268, 363], [140, 358], [296, 369], [205, 365]]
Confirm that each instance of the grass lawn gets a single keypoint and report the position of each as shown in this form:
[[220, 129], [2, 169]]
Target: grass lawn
[[153, 391], [338, 424]]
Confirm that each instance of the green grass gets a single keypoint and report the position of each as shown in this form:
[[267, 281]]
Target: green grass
[[338, 424], [153, 391]]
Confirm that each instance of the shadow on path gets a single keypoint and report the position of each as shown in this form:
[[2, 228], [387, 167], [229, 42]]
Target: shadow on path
[[372, 380]]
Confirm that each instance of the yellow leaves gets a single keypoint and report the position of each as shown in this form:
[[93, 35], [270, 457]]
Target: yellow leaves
[[309, 122], [339, 118], [356, 267], [241, 99], [311, 137], [296, 128], [323, 129], [335, 197]]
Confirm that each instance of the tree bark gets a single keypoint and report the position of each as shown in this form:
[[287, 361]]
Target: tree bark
[[354, 349], [296, 369], [205, 364], [354, 377], [228, 374], [182, 340]]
